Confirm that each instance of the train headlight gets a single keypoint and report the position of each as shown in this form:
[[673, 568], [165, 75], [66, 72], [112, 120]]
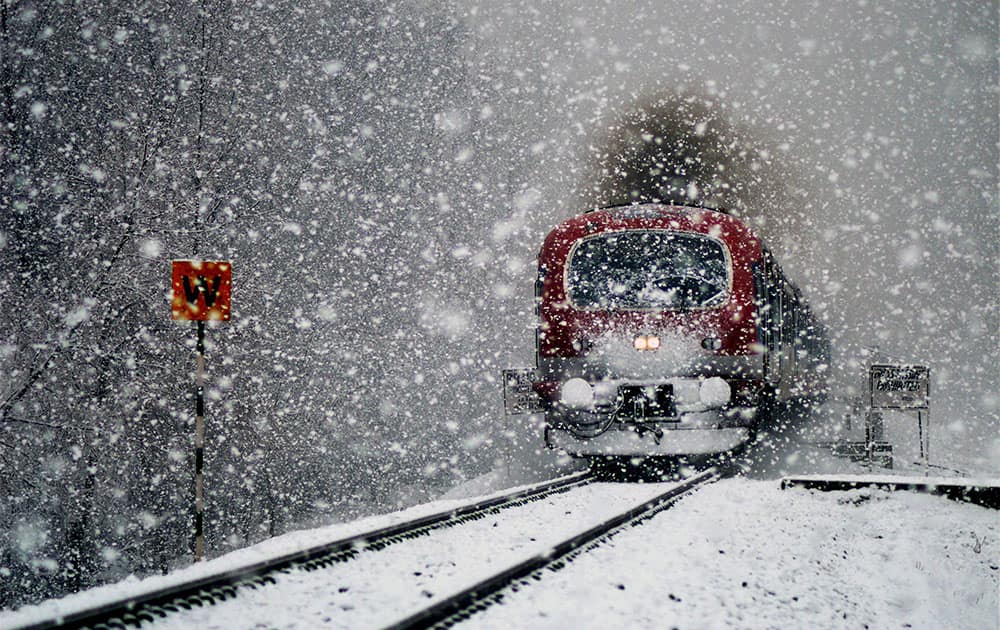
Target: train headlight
[[577, 394], [711, 343], [646, 342], [714, 392]]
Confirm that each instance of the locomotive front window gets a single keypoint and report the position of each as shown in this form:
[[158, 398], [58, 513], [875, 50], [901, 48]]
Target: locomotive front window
[[648, 270]]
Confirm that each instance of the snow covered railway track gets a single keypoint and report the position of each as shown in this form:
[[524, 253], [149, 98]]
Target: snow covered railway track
[[156, 605], [452, 610]]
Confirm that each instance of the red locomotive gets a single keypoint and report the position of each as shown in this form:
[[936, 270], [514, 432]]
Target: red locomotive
[[666, 330]]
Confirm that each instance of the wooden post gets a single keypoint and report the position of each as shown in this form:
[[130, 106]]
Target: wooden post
[[199, 449]]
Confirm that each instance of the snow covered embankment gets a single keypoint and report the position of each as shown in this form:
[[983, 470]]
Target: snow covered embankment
[[745, 554]]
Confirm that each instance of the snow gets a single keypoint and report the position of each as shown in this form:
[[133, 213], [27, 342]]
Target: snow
[[738, 553], [905, 479], [272, 548], [673, 442], [742, 553], [385, 586], [382, 174]]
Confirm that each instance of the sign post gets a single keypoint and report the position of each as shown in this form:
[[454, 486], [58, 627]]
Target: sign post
[[903, 388], [201, 292]]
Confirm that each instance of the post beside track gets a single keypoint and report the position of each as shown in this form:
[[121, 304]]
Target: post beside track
[[206, 591], [466, 603]]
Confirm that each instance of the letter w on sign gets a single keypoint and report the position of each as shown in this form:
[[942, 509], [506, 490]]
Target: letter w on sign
[[201, 290]]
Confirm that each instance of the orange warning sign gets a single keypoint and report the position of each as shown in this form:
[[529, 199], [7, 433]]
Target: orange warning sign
[[201, 290]]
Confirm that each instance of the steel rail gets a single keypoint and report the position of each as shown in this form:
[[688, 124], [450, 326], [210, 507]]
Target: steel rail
[[462, 605], [157, 604]]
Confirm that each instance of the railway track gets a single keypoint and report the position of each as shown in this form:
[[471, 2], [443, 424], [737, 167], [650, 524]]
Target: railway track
[[463, 604], [181, 605], [158, 604]]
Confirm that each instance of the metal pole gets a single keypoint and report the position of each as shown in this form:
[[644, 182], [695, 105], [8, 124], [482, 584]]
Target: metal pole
[[926, 449], [868, 435], [199, 449], [920, 433], [869, 429]]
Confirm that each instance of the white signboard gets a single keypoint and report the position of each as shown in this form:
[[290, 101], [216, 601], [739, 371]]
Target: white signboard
[[900, 386], [518, 395]]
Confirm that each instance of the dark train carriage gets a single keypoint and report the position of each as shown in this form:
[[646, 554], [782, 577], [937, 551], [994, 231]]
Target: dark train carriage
[[666, 330]]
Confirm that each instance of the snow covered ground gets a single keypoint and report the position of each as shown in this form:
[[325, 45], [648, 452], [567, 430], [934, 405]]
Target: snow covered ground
[[739, 553], [385, 586], [743, 553]]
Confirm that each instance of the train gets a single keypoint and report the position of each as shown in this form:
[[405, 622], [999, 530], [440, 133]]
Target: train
[[667, 330]]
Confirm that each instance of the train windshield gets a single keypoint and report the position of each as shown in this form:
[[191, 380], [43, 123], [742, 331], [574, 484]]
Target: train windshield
[[645, 269]]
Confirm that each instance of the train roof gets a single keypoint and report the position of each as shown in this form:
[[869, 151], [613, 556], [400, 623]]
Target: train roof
[[659, 216], [672, 204]]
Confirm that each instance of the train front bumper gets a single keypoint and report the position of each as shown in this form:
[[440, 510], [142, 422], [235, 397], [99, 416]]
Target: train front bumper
[[628, 442]]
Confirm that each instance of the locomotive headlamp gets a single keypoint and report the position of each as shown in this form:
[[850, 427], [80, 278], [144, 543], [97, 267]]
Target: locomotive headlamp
[[714, 392], [711, 343], [577, 394], [646, 342]]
